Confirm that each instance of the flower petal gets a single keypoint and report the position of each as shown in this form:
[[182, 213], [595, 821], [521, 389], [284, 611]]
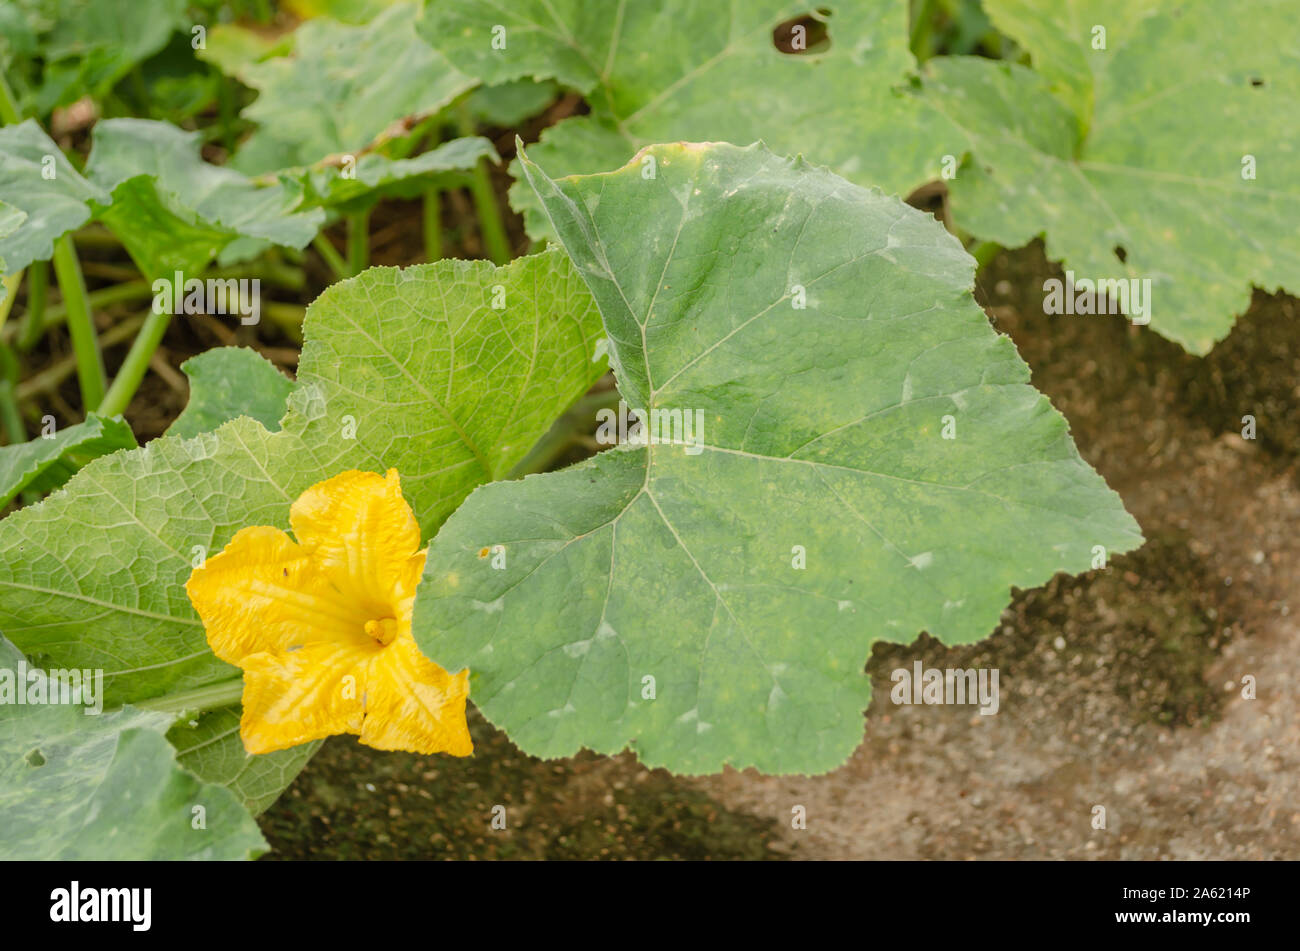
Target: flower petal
[[263, 593], [358, 528], [291, 697], [413, 704]]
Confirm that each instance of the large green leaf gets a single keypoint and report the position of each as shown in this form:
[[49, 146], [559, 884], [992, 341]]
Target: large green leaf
[[664, 70], [341, 87], [1130, 158], [823, 432], [46, 462], [107, 786], [411, 369], [36, 179], [229, 382], [175, 212]]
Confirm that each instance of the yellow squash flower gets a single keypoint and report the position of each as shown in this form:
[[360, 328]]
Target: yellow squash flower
[[322, 626]]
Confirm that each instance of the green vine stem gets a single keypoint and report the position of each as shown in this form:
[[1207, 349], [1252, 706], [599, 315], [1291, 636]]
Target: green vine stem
[[922, 27], [197, 700], [128, 378], [358, 242], [10, 418], [330, 255], [33, 325], [226, 112], [490, 225], [489, 214], [8, 294], [81, 327], [432, 224]]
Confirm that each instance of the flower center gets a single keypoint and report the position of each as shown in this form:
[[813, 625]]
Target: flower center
[[383, 630]]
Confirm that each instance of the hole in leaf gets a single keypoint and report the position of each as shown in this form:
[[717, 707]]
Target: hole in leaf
[[34, 758], [803, 34], [1121, 253], [1256, 82]]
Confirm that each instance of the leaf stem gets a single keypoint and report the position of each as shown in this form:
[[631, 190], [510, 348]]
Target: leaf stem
[[81, 326], [491, 229], [10, 418], [922, 28], [432, 221], [358, 242], [38, 283], [197, 700], [490, 225], [330, 255], [136, 364], [9, 290]]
